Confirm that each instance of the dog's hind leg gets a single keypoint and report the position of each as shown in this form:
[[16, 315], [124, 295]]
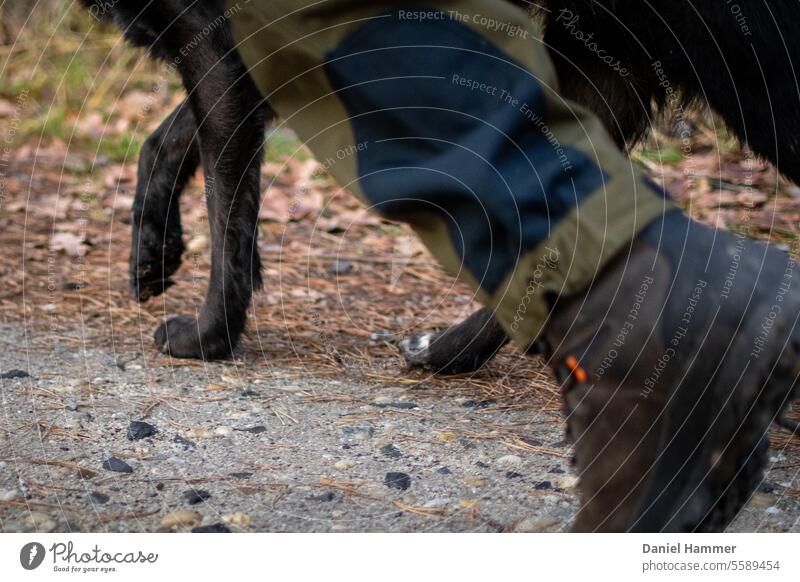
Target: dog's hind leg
[[169, 158], [462, 348], [231, 116]]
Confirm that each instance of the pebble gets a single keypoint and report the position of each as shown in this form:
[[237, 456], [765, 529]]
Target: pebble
[[196, 496], [98, 498], [391, 451], [199, 432], [543, 486], [253, 429], [213, 528], [117, 465], [536, 525], [41, 522], [242, 475], [437, 503], [382, 336], [444, 471], [473, 482], [237, 518], [566, 482], [344, 465], [138, 430], [71, 404], [9, 495], [478, 404], [509, 461], [187, 444], [399, 481], [181, 518], [362, 430], [341, 267], [513, 475], [14, 374], [223, 431]]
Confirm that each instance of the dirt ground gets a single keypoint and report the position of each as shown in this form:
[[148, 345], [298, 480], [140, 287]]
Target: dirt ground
[[315, 426]]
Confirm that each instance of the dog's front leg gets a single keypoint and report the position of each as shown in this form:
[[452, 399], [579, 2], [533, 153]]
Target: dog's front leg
[[168, 160], [231, 116]]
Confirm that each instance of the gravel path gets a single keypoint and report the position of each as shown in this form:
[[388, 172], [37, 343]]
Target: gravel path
[[231, 446]]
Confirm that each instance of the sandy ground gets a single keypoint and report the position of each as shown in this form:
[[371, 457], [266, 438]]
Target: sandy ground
[[247, 445]]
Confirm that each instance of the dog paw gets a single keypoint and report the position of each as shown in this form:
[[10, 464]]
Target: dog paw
[[181, 337], [448, 352], [152, 265], [415, 350]]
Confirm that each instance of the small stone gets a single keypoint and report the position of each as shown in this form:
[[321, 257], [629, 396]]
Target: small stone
[[557, 471], [138, 430], [71, 404], [444, 471], [513, 475], [566, 482], [509, 461], [9, 495], [382, 336], [536, 525], [196, 496], [117, 465], [98, 498], [362, 430], [253, 429], [223, 431], [391, 451], [473, 482], [181, 518], [767, 488], [532, 441], [435, 503], [237, 518], [343, 465], [187, 444], [199, 432], [477, 404], [481, 465], [14, 374], [242, 475], [324, 497], [399, 481], [341, 267], [772, 510], [543, 486], [213, 528]]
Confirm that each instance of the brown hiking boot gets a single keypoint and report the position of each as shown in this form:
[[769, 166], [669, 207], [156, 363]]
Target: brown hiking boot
[[673, 365]]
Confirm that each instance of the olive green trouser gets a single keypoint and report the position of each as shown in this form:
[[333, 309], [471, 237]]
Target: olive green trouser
[[448, 117]]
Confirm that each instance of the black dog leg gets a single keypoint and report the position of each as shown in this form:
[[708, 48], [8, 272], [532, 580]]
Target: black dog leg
[[167, 162], [463, 348], [231, 116]]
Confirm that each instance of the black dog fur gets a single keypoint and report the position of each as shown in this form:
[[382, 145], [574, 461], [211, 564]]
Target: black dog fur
[[654, 55]]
